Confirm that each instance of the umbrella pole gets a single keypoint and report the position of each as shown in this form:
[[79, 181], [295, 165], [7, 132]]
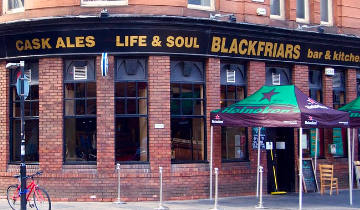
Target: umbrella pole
[[316, 148], [211, 158], [352, 155], [258, 164], [300, 168], [349, 160]]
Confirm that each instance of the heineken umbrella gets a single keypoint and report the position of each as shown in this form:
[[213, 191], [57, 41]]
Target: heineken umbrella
[[278, 106], [353, 108]]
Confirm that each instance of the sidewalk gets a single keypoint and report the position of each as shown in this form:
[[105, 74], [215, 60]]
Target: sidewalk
[[289, 201]]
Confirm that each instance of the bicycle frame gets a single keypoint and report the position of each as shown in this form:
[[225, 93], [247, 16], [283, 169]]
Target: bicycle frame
[[29, 189]]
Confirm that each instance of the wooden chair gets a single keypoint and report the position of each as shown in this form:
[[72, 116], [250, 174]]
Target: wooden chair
[[327, 179]]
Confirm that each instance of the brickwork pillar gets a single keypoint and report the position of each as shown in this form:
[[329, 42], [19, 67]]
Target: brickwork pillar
[[159, 113], [255, 80], [50, 114], [300, 78], [4, 116], [328, 101], [105, 120], [255, 76], [212, 103]]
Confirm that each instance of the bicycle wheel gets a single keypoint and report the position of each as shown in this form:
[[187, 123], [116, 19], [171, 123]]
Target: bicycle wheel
[[13, 197], [41, 199]]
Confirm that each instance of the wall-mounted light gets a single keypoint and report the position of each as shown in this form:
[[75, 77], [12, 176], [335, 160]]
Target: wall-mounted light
[[231, 17], [319, 28]]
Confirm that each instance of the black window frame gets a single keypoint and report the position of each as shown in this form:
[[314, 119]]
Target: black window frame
[[136, 115], [225, 102], [78, 62], [12, 118], [179, 116], [316, 87]]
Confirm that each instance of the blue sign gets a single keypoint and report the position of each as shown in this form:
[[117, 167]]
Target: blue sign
[[26, 87]]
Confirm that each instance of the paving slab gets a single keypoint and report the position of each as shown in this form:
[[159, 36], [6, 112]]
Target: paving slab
[[311, 201]]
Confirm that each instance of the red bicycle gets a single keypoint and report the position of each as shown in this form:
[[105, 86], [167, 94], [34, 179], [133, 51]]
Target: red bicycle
[[40, 198]]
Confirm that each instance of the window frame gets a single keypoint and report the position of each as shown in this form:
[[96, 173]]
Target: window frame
[[13, 118], [282, 11], [193, 116], [200, 7], [97, 3], [306, 18], [6, 10], [75, 115], [330, 14], [319, 88], [136, 97]]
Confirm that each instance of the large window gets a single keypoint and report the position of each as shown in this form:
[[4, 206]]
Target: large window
[[315, 85], [80, 111], [234, 144], [201, 4], [31, 113], [131, 143], [326, 12], [187, 102], [277, 9], [302, 11], [11, 6], [103, 2], [338, 147]]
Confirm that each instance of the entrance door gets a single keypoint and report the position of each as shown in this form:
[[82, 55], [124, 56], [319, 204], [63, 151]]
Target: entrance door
[[282, 159]]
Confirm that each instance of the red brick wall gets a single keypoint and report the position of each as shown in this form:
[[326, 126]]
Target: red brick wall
[[105, 121], [4, 116], [300, 78], [141, 181], [50, 114], [159, 113], [212, 103]]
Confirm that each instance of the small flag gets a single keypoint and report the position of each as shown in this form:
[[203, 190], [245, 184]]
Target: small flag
[[104, 64]]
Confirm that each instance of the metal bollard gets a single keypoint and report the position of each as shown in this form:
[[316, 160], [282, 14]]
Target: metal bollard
[[161, 207], [260, 205], [118, 198], [216, 189]]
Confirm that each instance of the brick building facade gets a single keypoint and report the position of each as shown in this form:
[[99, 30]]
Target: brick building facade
[[161, 94]]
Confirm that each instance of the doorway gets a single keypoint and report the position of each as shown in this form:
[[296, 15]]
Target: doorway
[[281, 160]]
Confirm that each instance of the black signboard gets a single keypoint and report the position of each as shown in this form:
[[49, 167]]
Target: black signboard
[[310, 183], [186, 39]]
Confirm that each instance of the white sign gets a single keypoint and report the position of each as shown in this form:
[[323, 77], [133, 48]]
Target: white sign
[[159, 126], [280, 145], [269, 145], [329, 71]]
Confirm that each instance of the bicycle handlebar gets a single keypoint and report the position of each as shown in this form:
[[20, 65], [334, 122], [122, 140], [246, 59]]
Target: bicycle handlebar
[[30, 176]]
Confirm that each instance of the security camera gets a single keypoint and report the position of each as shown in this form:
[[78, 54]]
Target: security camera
[[12, 66]]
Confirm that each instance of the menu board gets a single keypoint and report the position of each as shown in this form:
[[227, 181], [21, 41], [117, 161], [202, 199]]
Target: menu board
[[310, 184]]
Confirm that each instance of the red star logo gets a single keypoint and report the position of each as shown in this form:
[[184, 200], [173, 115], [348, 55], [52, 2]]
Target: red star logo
[[269, 95], [217, 117]]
